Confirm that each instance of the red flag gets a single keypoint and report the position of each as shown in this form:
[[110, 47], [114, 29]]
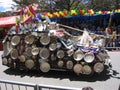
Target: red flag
[[32, 10]]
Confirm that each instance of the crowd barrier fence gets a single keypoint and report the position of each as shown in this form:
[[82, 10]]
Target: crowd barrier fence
[[14, 85]]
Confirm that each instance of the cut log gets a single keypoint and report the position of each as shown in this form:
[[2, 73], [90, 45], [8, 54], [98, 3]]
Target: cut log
[[29, 64], [98, 67], [44, 53], [15, 40], [69, 65], [77, 68], [87, 70], [60, 64], [44, 67]]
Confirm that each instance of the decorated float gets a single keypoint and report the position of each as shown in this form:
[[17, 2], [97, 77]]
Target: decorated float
[[48, 46]]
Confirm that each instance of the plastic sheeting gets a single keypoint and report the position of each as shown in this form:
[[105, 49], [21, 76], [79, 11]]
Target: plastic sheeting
[[11, 21]]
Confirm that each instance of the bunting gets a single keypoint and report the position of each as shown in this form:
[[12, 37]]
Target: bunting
[[31, 12], [76, 12], [22, 16]]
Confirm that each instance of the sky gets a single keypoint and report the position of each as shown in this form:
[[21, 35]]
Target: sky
[[5, 5]]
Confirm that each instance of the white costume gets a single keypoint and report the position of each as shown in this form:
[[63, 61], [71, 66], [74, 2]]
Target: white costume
[[86, 39]]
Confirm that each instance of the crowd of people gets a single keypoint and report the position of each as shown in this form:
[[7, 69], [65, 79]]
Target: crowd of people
[[99, 27], [111, 33]]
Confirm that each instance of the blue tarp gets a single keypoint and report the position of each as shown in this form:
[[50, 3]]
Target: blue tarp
[[106, 16]]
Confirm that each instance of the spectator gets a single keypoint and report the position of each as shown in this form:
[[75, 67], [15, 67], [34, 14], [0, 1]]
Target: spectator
[[83, 25], [92, 29], [118, 43], [112, 40], [107, 32]]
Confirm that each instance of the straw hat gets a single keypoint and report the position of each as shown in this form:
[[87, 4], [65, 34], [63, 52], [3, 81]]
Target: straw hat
[[44, 53], [87, 70], [35, 51], [29, 64], [89, 57], [14, 54], [29, 39], [15, 40], [78, 55], [69, 65], [60, 54], [4, 61], [60, 64], [22, 58], [77, 68], [53, 46], [44, 67], [98, 67], [45, 40]]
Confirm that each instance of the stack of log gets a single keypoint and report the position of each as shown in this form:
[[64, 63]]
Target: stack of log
[[44, 53]]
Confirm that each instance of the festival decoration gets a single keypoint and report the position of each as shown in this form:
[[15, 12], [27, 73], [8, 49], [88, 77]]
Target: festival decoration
[[17, 24], [38, 16], [76, 12], [43, 51], [61, 13], [66, 13]]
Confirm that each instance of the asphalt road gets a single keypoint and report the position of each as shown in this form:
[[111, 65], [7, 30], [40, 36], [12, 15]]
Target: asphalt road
[[104, 81]]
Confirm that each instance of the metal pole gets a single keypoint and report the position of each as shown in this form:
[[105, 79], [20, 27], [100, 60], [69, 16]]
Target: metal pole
[[37, 87]]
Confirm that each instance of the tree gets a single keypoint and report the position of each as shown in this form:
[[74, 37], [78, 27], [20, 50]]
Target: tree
[[104, 5], [43, 5], [67, 4], [23, 3], [60, 5], [116, 4]]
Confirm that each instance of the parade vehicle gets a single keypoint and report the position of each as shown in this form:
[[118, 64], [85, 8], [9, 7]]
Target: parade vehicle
[[47, 46]]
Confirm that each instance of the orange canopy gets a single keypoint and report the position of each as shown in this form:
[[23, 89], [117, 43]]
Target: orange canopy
[[11, 21]]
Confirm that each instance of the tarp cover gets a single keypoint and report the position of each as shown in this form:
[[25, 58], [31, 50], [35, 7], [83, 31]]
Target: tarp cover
[[11, 21]]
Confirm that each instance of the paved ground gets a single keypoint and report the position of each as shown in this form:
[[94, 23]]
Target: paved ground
[[104, 81]]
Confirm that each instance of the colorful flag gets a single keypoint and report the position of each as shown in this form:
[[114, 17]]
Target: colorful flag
[[31, 11], [17, 24], [22, 16]]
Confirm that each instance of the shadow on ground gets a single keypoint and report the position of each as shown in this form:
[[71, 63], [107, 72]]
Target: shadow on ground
[[65, 75]]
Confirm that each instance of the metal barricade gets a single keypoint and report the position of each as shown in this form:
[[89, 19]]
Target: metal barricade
[[115, 48], [113, 45], [14, 85]]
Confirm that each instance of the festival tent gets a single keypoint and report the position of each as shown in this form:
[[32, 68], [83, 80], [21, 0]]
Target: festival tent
[[11, 21], [115, 16]]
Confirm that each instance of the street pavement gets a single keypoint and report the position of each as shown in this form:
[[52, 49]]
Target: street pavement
[[104, 81]]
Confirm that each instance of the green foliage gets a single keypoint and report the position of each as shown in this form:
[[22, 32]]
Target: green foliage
[[23, 3], [104, 5], [60, 5]]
